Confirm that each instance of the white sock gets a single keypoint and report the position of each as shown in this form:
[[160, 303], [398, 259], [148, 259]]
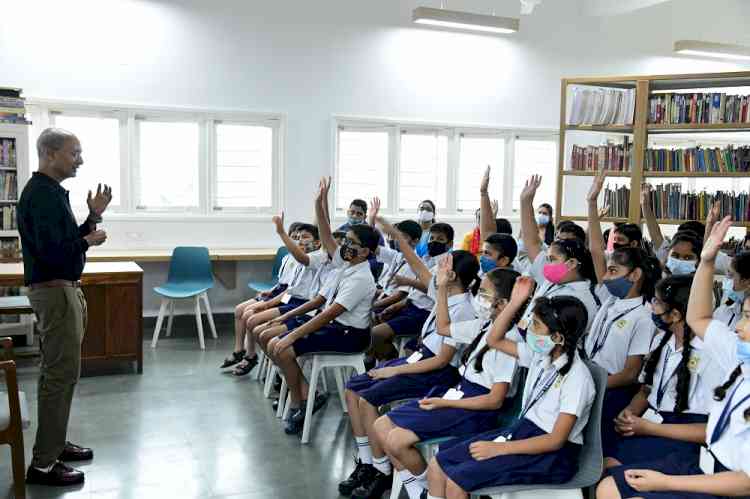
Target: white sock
[[382, 464], [413, 485], [46, 469], [364, 450], [434, 497]]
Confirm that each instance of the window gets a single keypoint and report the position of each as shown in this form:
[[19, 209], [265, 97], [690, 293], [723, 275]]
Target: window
[[363, 166], [100, 145], [244, 166], [423, 169], [476, 152], [535, 156], [168, 165]]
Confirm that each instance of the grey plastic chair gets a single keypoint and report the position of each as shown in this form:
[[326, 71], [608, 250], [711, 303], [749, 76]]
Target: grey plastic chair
[[591, 462]]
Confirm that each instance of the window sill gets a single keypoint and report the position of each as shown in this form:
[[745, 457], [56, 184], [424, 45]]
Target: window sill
[[180, 217]]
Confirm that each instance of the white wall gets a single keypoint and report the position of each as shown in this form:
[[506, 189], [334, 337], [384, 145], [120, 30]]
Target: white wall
[[310, 60]]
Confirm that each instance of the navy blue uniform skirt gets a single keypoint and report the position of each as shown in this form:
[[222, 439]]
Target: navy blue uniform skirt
[[637, 449], [448, 421], [333, 337], [615, 400], [409, 320], [674, 464], [378, 392], [549, 468], [294, 302]]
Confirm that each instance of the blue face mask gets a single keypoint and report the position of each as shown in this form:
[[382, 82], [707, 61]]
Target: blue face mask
[[730, 293], [542, 345], [659, 322], [680, 267], [619, 287], [487, 264], [743, 351], [355, 221]]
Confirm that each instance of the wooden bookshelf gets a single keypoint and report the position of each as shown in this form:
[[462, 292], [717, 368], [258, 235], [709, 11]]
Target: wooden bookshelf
[[645, 87]]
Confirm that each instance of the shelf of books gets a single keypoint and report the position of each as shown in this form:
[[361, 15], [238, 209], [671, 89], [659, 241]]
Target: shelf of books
[[688, 135], [14, 169]]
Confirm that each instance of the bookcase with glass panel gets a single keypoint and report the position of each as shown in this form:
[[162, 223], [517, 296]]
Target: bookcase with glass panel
[[687, 136]]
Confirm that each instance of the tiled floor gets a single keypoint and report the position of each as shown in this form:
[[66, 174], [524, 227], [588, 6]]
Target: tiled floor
[[184, 430]]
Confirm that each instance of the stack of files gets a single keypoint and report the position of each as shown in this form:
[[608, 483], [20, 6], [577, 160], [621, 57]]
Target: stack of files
[[601, 106]]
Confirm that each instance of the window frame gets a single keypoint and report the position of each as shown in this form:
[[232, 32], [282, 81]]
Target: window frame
[[454, 132], [42, 112]]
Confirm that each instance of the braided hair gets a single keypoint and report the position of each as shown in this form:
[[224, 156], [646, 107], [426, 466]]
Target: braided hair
[[674, 291], [565, 315], [503, 281], [466, 267], [721, 391]]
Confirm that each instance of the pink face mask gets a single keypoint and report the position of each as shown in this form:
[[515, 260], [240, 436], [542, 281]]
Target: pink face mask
[[555, 272]]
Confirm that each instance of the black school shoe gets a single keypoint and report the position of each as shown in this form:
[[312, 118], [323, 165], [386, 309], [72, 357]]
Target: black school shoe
[[73, 452], [245, 366], [375, 487], [234, 359], [296, 420], [360, 475], [61, 475]]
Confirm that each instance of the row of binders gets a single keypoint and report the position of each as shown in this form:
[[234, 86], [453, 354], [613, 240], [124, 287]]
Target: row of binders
[[601, 106], [697, 159], [698, 108]]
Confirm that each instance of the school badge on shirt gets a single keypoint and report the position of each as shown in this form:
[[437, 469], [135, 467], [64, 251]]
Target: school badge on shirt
[[693, 363], [621, 323]]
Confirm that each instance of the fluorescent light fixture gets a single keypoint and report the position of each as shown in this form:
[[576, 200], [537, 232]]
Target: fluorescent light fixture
[[464, 20], [710, 49]]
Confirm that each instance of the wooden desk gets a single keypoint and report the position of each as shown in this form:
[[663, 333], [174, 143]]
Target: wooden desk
[[216, 255], [114, 294]]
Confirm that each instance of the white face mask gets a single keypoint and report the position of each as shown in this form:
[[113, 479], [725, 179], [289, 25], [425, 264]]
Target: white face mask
[[542, 219], [680, 267], [483, 307], [425, 216]]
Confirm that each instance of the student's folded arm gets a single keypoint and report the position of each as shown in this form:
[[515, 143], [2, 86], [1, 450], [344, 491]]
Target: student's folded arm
[[322, 319], [439, 361], [390, 300], [639, 403], [727, 483], [413, 283], [693, 432], [306, 307], [629, 375], [489, 402], [551, 442]]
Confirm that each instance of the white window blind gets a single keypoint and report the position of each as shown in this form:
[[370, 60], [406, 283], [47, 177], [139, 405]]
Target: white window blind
[[244, 166], [476, 152], [100, 146], [363, 159], [535, 157], [168, 165], [423, 169]]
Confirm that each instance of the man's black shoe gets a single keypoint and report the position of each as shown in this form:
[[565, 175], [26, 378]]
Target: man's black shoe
[[357, 478], [60, 475]]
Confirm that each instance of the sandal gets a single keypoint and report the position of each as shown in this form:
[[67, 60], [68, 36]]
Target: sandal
[[245, 366], [236, 358]]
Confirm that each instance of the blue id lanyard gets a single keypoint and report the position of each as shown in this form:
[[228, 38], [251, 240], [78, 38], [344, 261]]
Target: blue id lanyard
[[602, 332], [662, 389], [726, 414], [532, 399]]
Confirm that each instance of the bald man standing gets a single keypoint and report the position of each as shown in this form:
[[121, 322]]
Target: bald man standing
[[54, 253]]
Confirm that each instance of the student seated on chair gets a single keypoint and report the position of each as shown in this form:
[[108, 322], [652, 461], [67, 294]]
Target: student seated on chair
[[245, 309], [472, 405], [396, 266], [669, 414], [724, 465], [432, 367], [407, 317], [544, 445], [310, 260], [343, 326]]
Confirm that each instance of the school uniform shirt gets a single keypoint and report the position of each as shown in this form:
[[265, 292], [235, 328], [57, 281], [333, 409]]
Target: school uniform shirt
[[572, 394], [521, 263], [728, 313], [497, 366], [324, 274], [705, 375], [460, 309], [354, 289], [720, 343], [577, 289], [621, 328], [416, 296], [303, 283], [287, 269], [395, 265]]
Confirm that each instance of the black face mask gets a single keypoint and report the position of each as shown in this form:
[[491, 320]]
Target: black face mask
[[619, 246], [347, 252], [435, 248], [395, 245]]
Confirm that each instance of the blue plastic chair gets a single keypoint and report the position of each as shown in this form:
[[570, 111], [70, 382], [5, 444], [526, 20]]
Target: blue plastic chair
[[263, 286], [189, 277]]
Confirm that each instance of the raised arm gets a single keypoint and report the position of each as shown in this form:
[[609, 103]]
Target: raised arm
[[374, 211], [487, 224], [528, 222], [294, 249], [443, 318], [595, 227], [700, 306], [321, 210], [713, 216], [522, 290], [417, 265], [654, 230]]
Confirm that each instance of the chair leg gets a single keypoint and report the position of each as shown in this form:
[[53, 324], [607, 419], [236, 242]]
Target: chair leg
[[171, 318], [19, 472], [287, 407], [316, 371], [261, 365], [269, 381], [283, 391], [337, 372], [210, 315], [199, 322], [162, 310]]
